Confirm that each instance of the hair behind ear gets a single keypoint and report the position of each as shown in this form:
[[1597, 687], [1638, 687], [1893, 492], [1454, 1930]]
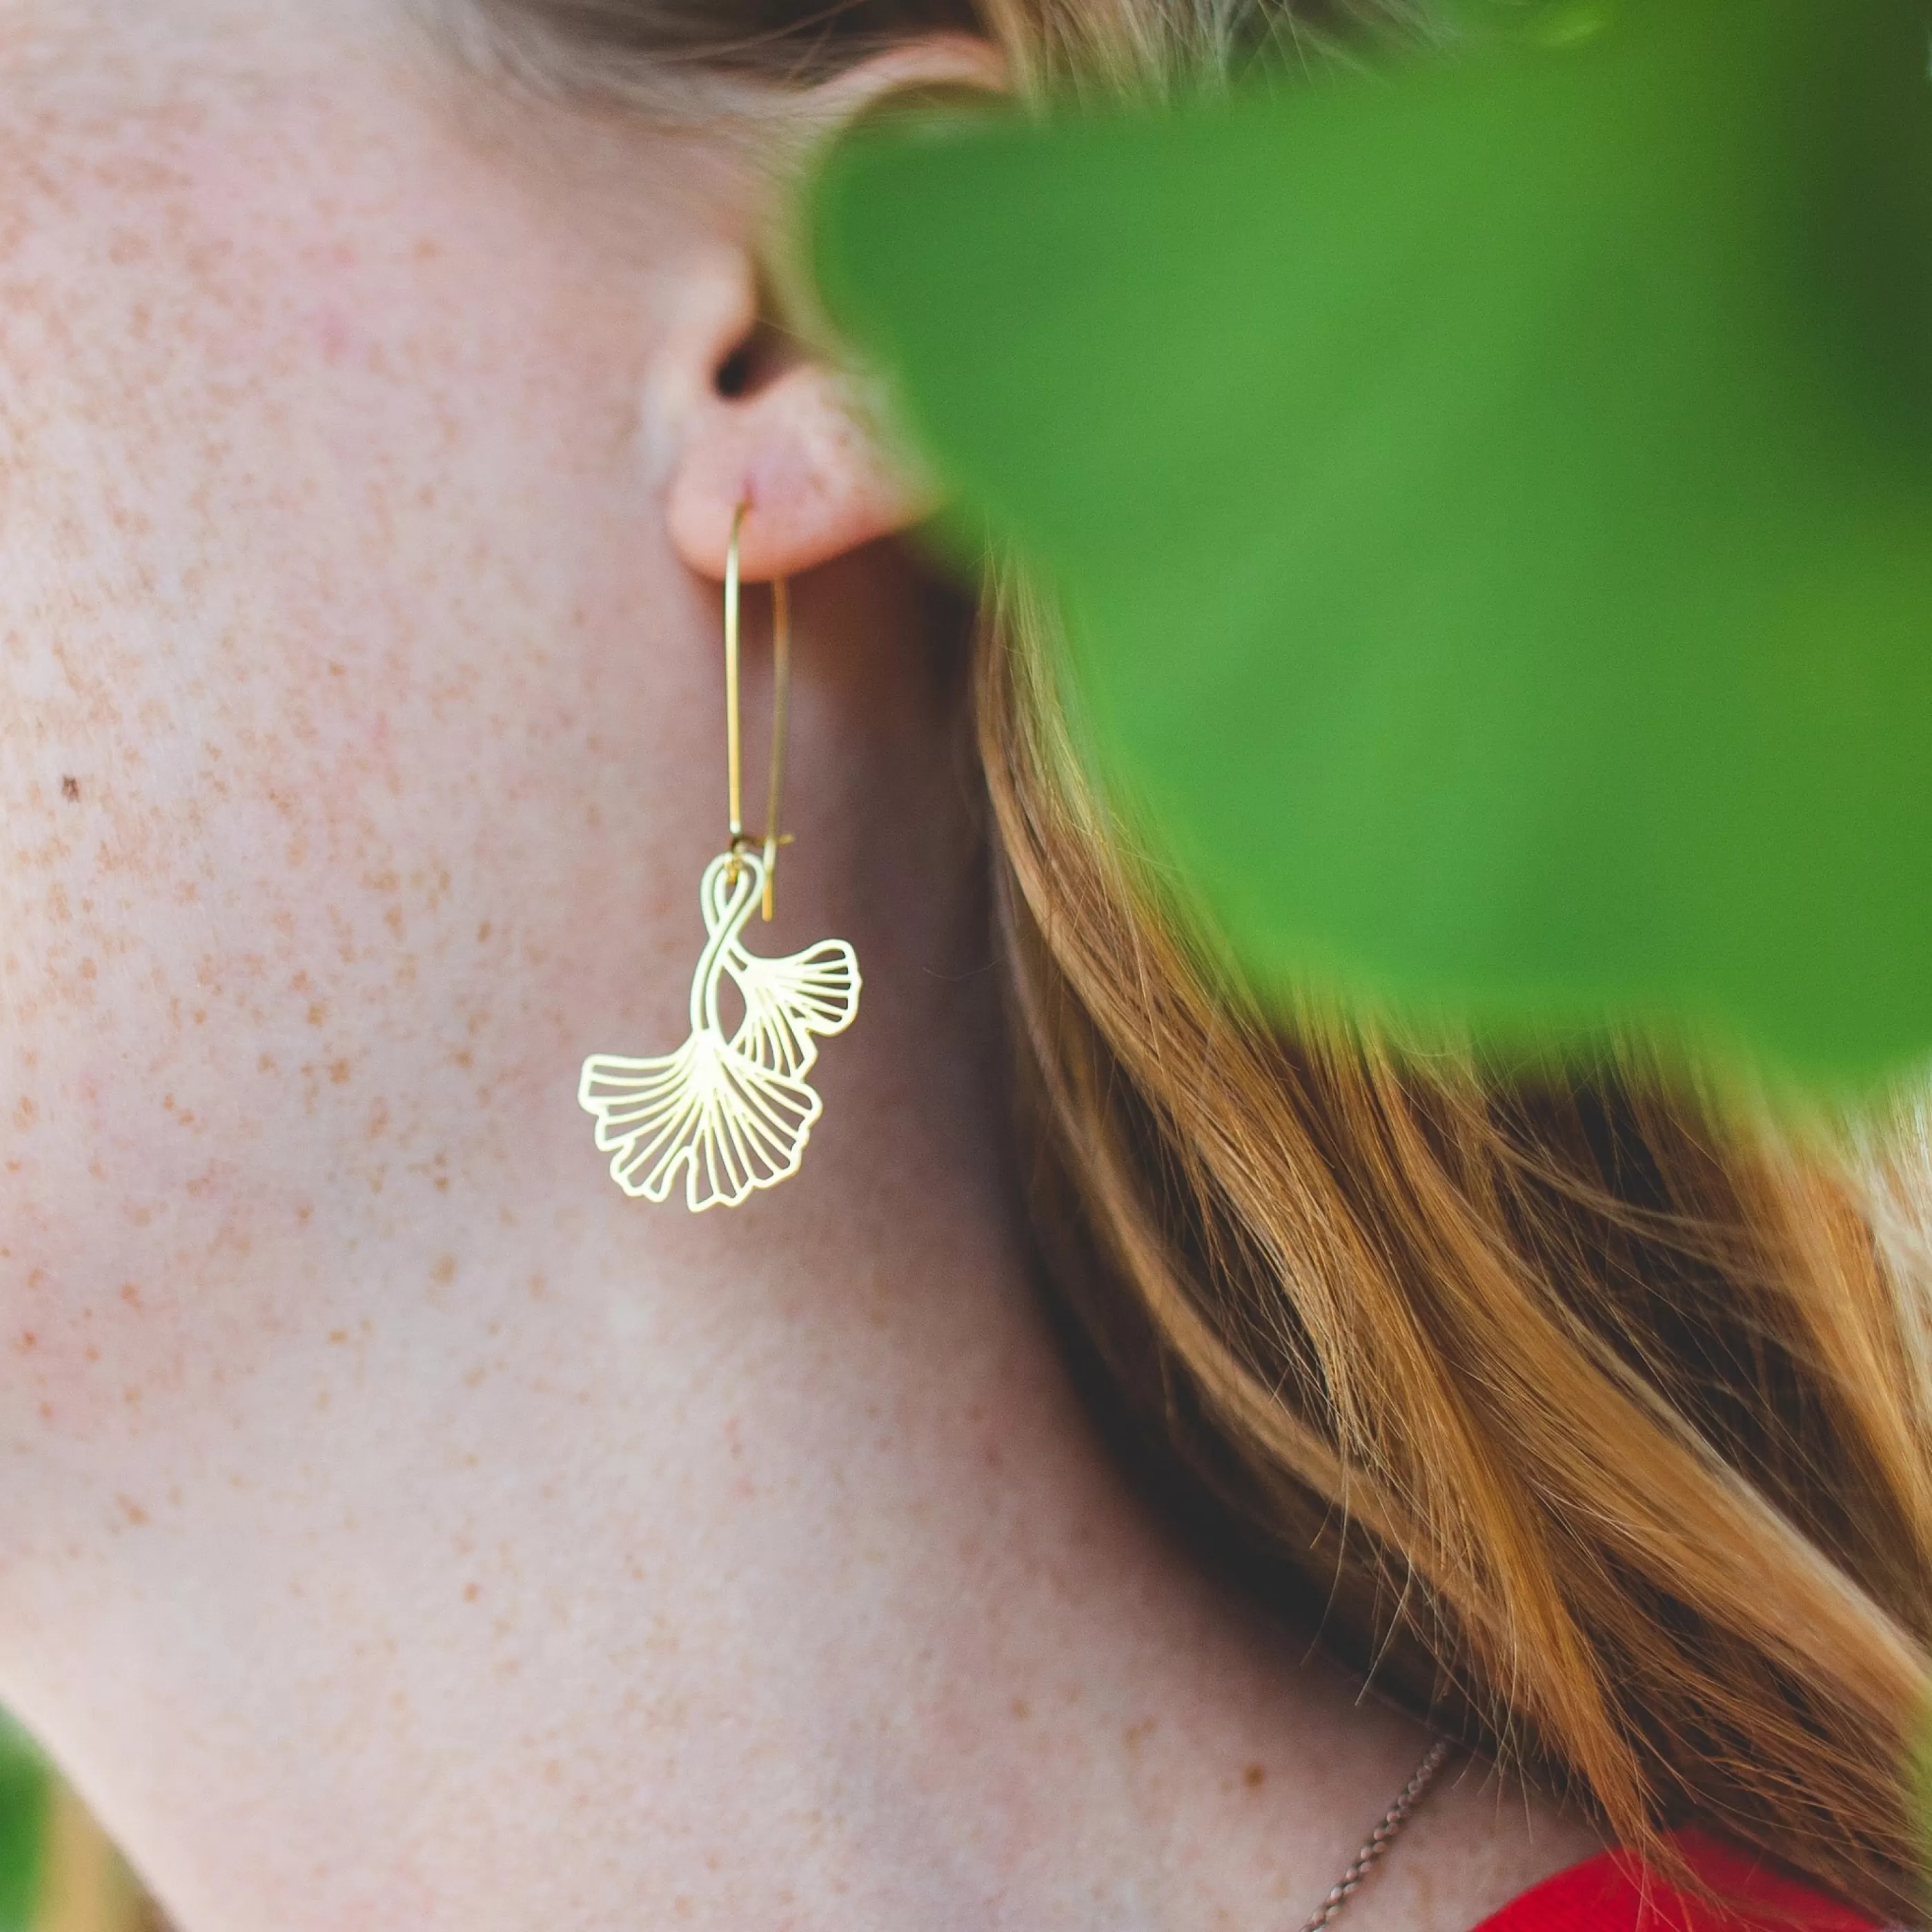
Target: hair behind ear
[[1587, 1412]]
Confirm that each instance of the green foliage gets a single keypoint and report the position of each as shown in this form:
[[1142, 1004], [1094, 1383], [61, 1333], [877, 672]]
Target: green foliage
[[1491, 497], [24, 1793]]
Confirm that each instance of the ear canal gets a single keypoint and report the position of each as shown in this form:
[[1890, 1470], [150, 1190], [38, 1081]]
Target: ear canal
[[734, 373]]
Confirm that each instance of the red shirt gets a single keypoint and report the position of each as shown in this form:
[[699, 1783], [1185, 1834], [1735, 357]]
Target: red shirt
[[1614, 1892]]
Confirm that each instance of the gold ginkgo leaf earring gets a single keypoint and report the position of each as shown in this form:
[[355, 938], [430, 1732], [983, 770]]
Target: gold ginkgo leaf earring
[[734, 1112]]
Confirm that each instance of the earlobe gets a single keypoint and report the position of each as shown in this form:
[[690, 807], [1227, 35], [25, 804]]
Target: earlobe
[[797, 450]]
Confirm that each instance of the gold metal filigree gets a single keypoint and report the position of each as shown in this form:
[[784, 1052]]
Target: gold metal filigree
[[734, 1113]]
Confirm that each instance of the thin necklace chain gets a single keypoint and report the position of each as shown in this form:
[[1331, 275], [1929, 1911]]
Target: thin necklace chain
[[1375, 1846]]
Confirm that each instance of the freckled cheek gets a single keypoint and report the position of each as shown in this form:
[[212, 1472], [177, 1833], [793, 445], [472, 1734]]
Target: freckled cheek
[[217, 1004], [193, 1086], [241, 831], [82, 1366], [320, 729]]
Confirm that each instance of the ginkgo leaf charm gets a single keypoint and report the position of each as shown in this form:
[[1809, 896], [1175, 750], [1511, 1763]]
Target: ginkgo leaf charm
[[733, 1114]]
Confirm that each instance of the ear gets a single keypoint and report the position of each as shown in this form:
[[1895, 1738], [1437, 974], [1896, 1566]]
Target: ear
[[754, 423]]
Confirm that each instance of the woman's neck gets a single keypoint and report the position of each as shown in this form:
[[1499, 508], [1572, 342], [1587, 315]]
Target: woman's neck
[[599, 1565]]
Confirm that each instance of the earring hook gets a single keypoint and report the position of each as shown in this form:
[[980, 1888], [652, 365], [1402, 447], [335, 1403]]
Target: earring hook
[[781, 713], [780, 724]]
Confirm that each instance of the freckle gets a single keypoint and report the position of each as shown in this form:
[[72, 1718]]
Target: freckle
[[130, 1293], [1022, 1709], [317, 1013], [1254, 1777], [483, 932], [304, 1214], [93, 1353], [539, 1288], [338, 1072], [332, 334], [71, 790], [25, 1113], [132, 1510], [266, 1063], [474, 1379], [444, 1272], [132, 1397], [28, 1343], [87, 970], [443, 1184], [464, 1058], [393, 919]]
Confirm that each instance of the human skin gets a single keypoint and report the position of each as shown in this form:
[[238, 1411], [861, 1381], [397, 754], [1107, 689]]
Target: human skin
[[398, 1526]]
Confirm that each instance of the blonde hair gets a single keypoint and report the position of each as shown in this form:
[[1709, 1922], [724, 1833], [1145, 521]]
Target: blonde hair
[[1593, 1413]]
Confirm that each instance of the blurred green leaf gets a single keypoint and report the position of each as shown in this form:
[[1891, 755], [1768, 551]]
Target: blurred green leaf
[[24, 1797], [1918, 1785], [1492, 499]]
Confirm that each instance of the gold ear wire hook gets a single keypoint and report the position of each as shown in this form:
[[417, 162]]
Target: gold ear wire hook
[[781, 713], [781, 709], [732, 761]]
